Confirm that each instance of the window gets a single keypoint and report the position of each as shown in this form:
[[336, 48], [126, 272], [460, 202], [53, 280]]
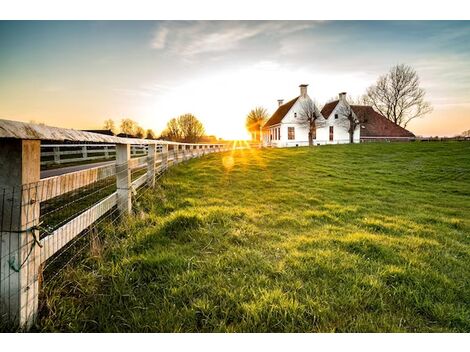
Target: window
[[291, 133], [295, 114], [314, 133], [336, 116], [279, 133], [331, 133]]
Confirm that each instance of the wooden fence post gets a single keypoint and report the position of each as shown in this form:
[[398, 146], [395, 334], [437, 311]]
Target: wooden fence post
[[84, 152], [56, 151], [164, 164], [152, 149], [123, 178], [19, 246]]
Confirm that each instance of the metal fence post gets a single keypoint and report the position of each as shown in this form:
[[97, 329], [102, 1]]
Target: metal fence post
[[152, 149], [123, 178], [19, 246]]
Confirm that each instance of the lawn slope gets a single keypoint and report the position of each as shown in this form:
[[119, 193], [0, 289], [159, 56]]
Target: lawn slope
[[369, 237]]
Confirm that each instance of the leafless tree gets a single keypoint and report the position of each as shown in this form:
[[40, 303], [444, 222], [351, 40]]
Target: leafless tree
[[466, 133], [128, 127], [139, 132], [185, 128], [309, 116], [110, 125], [398, 95], [351, 119], [150, 134]]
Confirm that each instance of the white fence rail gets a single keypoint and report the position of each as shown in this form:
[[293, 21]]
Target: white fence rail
[[32, 232], [56, 154]]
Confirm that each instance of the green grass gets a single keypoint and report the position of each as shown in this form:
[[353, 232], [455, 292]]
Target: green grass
[[358, 238]]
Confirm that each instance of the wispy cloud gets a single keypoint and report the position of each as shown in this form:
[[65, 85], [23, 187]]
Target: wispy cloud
[[159, 40], [194, 38]]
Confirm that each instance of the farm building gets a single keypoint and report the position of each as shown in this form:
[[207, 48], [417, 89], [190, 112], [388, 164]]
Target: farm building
[[287, 126]]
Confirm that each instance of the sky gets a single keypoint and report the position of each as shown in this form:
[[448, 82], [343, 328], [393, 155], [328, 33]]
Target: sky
[[77, 74]]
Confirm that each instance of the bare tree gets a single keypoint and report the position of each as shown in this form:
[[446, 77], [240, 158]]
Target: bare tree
[[109, 125], [398, 95], [128, 127], [352, 119], [150, 134], [185, 128], [466, 133], [255, 120], [309, 116], [139, 132]]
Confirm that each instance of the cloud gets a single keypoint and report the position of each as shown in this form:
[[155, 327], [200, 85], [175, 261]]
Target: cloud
[[159, 39], [194, 38]]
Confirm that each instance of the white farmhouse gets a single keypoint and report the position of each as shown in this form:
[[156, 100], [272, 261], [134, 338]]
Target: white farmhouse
[[287, 128]]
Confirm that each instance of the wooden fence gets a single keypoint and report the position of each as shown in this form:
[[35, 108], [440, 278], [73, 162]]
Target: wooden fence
[[57, 154], [28, 238]]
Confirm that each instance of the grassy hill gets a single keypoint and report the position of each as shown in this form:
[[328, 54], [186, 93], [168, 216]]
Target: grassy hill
[[369, 237]]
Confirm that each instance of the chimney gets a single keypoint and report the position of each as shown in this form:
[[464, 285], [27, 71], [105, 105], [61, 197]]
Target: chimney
[[342, 96], [280, 102], [303, 90]]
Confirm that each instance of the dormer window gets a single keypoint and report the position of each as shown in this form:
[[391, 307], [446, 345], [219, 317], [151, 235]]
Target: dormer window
[[336, 116]]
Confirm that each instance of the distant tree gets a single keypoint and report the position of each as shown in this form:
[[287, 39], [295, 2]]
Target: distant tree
[[398, 96], [255, 119], [128, 127], [150, 134], [466, 133], [139, 132], [185, 128], [309, 116], [109, 125]]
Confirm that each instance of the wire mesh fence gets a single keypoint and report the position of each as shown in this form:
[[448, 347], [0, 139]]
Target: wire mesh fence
[[47, 224]]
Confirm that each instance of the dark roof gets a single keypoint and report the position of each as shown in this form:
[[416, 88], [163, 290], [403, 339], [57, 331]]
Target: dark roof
[[328, 108], [280, 113], [125, 135], [105, 132], [374, 124]]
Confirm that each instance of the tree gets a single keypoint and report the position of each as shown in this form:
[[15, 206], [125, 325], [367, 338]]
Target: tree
[[352, 118], [466, 133], [128, 127], [185, 128], [150, 134], [139, 132], [255, 119], [398, 96], [109, 125], [309, 117]]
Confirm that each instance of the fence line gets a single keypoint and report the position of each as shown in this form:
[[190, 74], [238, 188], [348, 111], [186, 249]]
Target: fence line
[[40, 219]]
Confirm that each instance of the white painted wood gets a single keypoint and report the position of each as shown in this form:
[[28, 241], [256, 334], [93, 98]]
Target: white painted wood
[[151, 157], [64, 234], [55, 186], [123, 178]]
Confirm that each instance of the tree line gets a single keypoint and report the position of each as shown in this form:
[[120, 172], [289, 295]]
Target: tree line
[[185, 128], [397, 95]]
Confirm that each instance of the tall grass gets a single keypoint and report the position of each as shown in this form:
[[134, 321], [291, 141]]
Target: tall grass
[[370, 237]]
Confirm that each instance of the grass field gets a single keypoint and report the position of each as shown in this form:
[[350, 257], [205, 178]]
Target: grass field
[[358, 238]]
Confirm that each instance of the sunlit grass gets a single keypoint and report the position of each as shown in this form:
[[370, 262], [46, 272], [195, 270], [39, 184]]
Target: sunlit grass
[[372, 237]]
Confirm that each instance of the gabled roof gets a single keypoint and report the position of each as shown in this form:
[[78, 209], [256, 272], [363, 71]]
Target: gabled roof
[[280, 113], [374, 124], [328, 108]]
